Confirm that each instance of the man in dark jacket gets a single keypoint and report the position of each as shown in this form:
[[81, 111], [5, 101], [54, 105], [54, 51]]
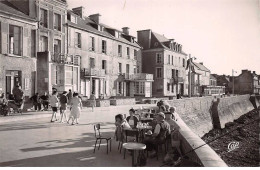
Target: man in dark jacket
[[45, 101], [36, 101]]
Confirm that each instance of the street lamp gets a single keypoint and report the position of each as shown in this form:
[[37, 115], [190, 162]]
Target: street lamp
[[233, 82], [190, 58]]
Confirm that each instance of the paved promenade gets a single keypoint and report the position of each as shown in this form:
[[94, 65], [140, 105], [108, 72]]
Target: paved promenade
[[31, 140]]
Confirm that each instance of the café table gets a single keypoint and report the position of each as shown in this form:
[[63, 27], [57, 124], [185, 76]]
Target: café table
[[142, 130], [134, 147], [146, 120]]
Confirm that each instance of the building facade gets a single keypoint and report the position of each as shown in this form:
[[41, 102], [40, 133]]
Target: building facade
[[247, 83], [17, 49], [200, 77], [55, 68], [110, 58], [164, 59]]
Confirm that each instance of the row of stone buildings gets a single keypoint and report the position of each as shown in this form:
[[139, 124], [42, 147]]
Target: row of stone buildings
[[46, 45], [246, 82]]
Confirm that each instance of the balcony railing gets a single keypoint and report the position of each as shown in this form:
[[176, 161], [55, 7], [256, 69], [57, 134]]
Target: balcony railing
[[93, 72], [65, 59], [257, 86], [138, 76]]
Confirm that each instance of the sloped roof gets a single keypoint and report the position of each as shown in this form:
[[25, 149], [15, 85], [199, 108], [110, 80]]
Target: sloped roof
[[160, 38], [85, 24], [7, 7], [201, 66]]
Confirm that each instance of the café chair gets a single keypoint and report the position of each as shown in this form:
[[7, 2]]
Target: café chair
[[99, 137]]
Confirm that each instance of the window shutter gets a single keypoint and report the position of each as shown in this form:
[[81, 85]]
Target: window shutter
[[25, 42], [72, 37], [69, 37], [4, 36]]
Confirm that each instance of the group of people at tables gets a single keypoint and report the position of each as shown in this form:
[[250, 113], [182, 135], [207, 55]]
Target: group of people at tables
[[161, 129]]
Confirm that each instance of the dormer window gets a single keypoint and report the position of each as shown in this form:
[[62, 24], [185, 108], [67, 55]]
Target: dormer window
[[116, 34], [73, 19]]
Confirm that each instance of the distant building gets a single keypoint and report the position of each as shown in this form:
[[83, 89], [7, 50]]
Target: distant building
[[110, 58], [226, 81], [17, 49], [165, 59], [247, 83], [200, 76], [212, 88]]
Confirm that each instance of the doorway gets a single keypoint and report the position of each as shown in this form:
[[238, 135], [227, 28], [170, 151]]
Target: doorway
[[12, 78]]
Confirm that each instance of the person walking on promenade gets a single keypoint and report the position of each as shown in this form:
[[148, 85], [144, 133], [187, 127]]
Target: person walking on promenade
[[69, 96], [54, 102], [36, 102], [45, 101], [93, 98], [76, 107], [63, 106], [19, 97]]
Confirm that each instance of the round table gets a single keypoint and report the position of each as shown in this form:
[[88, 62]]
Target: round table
[[134, 147]]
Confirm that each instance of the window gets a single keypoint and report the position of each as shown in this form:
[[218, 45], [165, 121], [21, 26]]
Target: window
[[169, 59], [43, 18], [73, 19], [136, 70], [179, 61], [57, 46], [69, 75], [172, 88], [139, 87], [168, 86], [43, 44], [77, 40], [172, 59], [120, 88], [104, 65], [158, 72], [158, 58], [173, 73], [135, 54], [119, 68], [128, 52], [183, 62], [15, 43], [92, 62], [177, 73], [57, 22], [33, 43], [104, 46], [92, 44], [136, 87], [119, 50]]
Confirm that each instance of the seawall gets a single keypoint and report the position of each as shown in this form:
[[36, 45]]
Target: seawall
[[203, 113]]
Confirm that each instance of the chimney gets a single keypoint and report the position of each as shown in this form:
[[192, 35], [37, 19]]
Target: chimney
[[79, 11], [244, 71], [201, 63], [125, 30], [144, 38], [95, 17]]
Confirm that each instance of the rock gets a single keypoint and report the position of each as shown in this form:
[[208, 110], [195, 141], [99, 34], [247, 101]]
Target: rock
[[229, 124]]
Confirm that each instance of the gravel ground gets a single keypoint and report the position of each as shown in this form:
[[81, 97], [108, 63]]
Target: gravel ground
[[246, 135]]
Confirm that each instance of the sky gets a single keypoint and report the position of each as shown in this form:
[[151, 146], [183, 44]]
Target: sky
[[223, 34]]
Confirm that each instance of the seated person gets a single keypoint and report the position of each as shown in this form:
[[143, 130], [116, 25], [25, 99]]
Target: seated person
[[132, 119], [174, 127], [162, 129], [121, 124], [174, 114]]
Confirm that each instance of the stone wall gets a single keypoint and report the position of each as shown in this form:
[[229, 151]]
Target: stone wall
[[116, 102], [203, 113], [195, 112], [231, 108]]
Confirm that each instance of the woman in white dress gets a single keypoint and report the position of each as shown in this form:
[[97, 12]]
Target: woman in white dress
[[76, 107]]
